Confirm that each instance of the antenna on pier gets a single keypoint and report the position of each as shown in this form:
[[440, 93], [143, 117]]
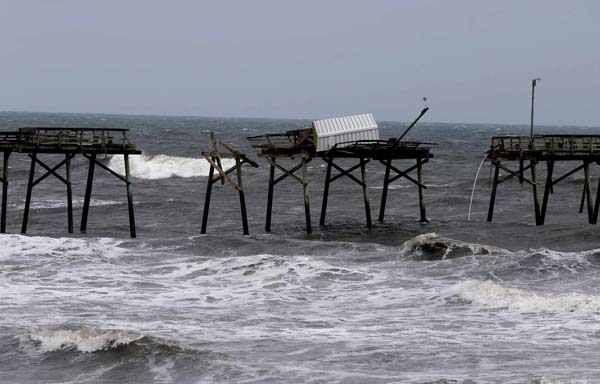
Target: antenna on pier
[[414, 122], [533, 84]]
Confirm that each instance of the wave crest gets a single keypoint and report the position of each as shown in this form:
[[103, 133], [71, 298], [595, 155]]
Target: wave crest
[[488, 294], [431, 246], [154, 167], [83, 340]]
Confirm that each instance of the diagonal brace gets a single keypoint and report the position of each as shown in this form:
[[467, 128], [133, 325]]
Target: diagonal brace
[[223, 174], [405, 173], [288, 172], [556, 181], [344, 172], [513, 174], [107, 169], [50, 171]]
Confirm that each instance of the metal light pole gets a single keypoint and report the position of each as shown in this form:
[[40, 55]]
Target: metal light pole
[[533, 84]]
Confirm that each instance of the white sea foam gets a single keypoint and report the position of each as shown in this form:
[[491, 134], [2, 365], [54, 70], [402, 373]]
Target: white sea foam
[[21, 247], [163, 166], [492, 295], [60, 203], [83, 340]]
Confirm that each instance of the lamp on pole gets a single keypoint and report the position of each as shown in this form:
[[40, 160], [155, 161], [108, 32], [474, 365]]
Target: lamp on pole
[[533, 84]]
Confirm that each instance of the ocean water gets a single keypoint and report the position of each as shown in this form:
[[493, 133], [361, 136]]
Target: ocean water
[[452, 301]]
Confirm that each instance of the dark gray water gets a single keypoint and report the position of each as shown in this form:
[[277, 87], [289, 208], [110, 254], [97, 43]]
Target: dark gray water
[[452, 301]]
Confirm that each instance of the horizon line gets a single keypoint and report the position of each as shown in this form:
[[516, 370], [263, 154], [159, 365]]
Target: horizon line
[[525, 124]]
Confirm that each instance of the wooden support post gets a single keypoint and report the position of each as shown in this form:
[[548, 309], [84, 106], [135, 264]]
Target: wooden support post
[[521, 169], [421, 191], [363, 173], [28, 196], [305, 192], [547, 191], [384, 192], [68, 158], [326, 191], [494, 188], [211, 174], [583, 195], [88, 193], [587, 191], [4, 192], [536, 197], [270, 196], [242, 197], [596, 205], [129, 197]]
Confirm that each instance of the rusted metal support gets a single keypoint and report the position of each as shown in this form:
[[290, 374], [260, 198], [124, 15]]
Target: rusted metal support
[[4, 192], [547, 191], [384, 192], [88, 193], [421, 186], [129, 197], [363, 173], [211, 173], [496, 165], [536, 197], [28, 196], [326, 191]]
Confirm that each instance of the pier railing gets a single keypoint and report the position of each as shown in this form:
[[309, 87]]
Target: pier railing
[[74, 139], [556, 145]]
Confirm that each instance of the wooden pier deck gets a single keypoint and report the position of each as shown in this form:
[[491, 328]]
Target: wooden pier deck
[[549, 149], [69, 142]]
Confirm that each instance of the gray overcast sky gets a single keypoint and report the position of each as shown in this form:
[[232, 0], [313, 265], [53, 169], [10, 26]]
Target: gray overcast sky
[[473, 59]]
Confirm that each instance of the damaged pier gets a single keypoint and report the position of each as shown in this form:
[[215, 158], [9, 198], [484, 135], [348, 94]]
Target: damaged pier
[[351, 137], [67, 143], [530, 151]]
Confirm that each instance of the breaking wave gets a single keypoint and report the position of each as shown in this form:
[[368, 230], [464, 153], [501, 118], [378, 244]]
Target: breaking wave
[[153, 167], [489, 294], [554, 262], [83, 340], [431, 246], [34, 248]]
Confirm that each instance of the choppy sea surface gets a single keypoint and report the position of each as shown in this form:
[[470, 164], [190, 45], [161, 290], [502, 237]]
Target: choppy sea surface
[[451, 301]]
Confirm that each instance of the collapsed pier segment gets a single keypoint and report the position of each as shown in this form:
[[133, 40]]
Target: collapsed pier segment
[[350, 137]]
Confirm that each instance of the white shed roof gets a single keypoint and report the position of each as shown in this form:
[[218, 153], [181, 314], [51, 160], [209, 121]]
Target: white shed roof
[[343, 125]]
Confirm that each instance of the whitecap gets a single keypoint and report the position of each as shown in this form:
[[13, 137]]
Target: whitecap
[[489, 294], [153, 167], [82, 340]]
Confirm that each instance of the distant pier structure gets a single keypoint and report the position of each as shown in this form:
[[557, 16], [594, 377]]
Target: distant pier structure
[[66, 142], [351, 138], [530, 151]]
